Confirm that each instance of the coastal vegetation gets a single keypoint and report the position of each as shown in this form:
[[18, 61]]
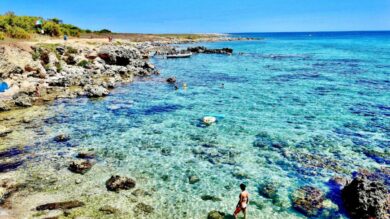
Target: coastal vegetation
[[25, 27]]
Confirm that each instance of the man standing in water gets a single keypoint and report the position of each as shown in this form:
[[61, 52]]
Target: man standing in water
[[242, 202]]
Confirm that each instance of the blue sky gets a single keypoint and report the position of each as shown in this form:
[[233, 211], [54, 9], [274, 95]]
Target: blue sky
[[201, 16]]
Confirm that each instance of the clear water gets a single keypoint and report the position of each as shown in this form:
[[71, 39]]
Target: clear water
[[284, 99]]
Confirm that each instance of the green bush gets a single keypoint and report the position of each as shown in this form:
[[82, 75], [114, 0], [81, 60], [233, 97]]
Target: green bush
[[2, 35], [17, 32], [83, 63], [52, 29]]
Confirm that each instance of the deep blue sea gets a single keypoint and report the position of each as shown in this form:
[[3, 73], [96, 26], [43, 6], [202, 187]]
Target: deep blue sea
[[293, 109]]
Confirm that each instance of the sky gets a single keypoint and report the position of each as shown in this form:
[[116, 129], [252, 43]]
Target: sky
[[211, 16]]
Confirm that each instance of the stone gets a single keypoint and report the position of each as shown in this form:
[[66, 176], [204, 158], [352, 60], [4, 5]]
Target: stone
[[60, 205], [62, 138], [117, 183], [141, 193], [210, 198], [308, 200], [86, 155], [339, 181], [193, 179], [171, 80], [80, 166], [268, 190], [216, 215], [4, 131], [95, 91], [118, 55], [22, 100], [108, 209], [202, 49], [364, 198], [4, 106], [142, 208]]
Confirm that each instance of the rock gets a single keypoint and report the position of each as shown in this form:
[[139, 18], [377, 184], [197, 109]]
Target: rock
[[86, 155], [4, 131], [92, 55], [60, 205], [210, 198], [339, 181], [216, 215], [80, 167], [77, 181], [118, 55], [308, 200], [268, 190], [193, 179], [364, 198], [117, 183], [171, 80], [208, 120], [202, 49], [141, 193], [108, 209], [142, 208], [60, 50], [95, 91], [62, 138], [4, 106], [22, 100]]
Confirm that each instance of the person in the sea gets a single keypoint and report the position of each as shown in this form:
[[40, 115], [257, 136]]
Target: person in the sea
[[242, 202]]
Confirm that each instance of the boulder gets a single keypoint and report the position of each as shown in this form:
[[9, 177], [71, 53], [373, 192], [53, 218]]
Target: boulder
[[95, 91], [193, 179], [62, 138], [117, 183], [60, 205], [86, 155], [210, 198], [108, 209], [364, 198], [142, 208], [22, 100], [216, 215], [308, 200], [80, 166], [118, 55], [171, 80]]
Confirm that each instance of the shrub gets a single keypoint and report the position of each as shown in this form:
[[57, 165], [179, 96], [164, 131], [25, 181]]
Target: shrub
[[52, 28], [17, 32], [83, 63], [2, 35], [104, 31]]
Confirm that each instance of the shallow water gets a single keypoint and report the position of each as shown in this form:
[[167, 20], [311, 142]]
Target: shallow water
[[293, 110]]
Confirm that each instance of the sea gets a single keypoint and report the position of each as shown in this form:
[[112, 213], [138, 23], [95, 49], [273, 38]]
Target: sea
[[291, 109]]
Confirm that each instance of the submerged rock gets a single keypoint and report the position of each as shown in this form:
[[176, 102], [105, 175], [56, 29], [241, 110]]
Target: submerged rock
[[308, 200], [364, 198], [108, 209], [60, 205], [216, 215], [80, 167], [171, 80], [142, 208], [193, 179], [86, 155], [62, 138], [117, 183], [202, 49], [210, 198], [268, 190]]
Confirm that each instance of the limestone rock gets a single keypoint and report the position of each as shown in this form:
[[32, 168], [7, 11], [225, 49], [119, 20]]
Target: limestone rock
[[95, 91], [80, 167], [60, 205], [142, 208], [364, 198], [308, 200], [117, 183], [22, 100], [216, 215]]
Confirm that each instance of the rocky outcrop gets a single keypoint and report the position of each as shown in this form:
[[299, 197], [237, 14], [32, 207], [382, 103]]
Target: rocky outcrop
[[364, 198], [117, 183], [202, 49], [216, 215], [60, 205], [308, 200], [80, 166], [22, 100], [115, 55], [95, 91]]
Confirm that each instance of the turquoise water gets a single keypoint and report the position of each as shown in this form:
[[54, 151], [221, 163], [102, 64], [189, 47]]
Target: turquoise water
[[293, 110]]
